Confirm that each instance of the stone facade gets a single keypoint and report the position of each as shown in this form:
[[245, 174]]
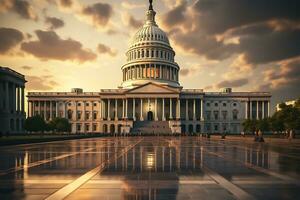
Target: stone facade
[[150, 98], [12, 107]]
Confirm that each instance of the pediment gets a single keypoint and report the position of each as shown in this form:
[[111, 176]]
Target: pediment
[[150, 88]]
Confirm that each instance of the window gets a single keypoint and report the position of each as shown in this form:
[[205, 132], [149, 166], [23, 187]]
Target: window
[[234, 104], [78, 114], [216, 115], [207, 104], [224, 114], [70, 112], [78, 127], [94, 127], [235, 114], [87, 127], [69, 104], [87, 115], [216, 127], [78, 104], [208, 115], [95, 104], [87, 104], [216, 104], [224, 104], [95, 115]]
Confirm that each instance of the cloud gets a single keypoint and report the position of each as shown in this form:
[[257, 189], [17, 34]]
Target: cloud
[[103, 49], [218, 30], [54, 22], [131, 22], [131, 5], [9, 38], [40, 82], [20, 7], [232, 83], [26, 67], [100, 13], [50, 46], [66, 3]]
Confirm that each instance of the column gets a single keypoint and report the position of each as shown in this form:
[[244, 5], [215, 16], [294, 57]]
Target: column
[[178, 109], [186, 109], [100, 110], [123, 108], [32, 112], [155, 109], [45, 110], [116, 109], [141, 113], [18, 98], [133, 109], [56, 109], [108, 109], [51, 113], [194, 110], [126, 108], [160, 72], [268, 111], [250, 109], [257, 116], [148, 104], [171, 113], [65, 109], [7, 96], [202, 111], [163, 110], [23, 100], [263, 110], [28, 109], [40, 109], [246, 110], [76, 110], [14, 98]]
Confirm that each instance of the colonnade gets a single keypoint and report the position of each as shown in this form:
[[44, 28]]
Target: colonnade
[[13, 94], [117, 109], [150, 53], [154, 71], [257, 109], [139, 107]]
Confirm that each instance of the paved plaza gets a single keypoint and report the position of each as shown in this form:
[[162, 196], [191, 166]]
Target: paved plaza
[[151, 168]]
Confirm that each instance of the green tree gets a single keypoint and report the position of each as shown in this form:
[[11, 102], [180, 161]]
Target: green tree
[[250, 125], [263, 124], [35, 124], [60, 125]]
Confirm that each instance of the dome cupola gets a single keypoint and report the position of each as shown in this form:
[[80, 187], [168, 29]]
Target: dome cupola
[[150, 57]]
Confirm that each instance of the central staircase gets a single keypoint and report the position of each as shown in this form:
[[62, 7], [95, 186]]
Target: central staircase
[[151, 127]]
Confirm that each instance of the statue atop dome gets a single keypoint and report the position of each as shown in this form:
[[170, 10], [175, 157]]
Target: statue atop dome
[[150, 6]]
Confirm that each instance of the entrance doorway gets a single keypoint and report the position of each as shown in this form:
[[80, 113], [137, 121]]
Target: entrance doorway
[[150, 116]]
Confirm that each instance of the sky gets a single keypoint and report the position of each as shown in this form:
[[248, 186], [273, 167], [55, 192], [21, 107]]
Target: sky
[[63, 44]]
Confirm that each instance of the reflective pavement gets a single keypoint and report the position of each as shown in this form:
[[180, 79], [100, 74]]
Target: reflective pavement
[[150, 168]]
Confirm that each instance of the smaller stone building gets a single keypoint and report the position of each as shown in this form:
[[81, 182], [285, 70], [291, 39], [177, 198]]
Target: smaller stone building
[[12, 108]]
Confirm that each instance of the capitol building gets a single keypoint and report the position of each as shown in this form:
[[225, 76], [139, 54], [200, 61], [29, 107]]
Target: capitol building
[[150, 98]]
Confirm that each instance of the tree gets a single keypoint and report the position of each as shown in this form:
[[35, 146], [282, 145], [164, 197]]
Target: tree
[[60, 125], [35, 124], [263, 124], [250, 125]]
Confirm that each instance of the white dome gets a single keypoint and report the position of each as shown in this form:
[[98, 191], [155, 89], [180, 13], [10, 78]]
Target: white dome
[[150, 57], [149, 33]]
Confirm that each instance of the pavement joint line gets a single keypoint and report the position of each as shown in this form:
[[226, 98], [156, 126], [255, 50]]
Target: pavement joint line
[[260, 169], [37, 163], [232, 188], [71, 187]]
